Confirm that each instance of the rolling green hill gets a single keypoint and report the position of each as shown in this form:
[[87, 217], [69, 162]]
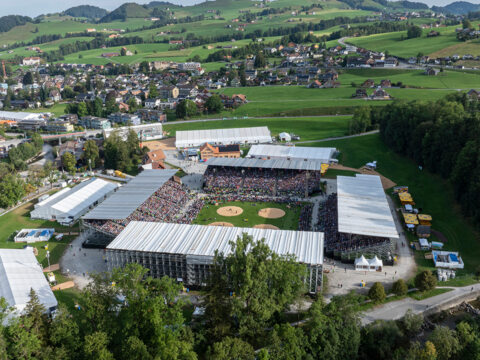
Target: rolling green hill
[[86, 11], [125, 11]]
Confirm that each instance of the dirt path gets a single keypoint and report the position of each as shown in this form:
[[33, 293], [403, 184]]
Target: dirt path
[[386, 182]]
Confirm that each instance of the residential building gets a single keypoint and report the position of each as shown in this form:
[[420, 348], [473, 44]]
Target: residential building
[[121, 118], [31, 61], [59, 126], [92, 122], [208, 151]]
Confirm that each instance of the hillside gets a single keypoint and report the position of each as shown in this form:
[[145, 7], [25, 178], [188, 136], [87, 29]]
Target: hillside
[[125, 11], [457, 8], [9, 22], [86, 11]]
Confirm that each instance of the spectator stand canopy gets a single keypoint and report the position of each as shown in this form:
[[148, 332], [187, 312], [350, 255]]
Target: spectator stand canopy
[[363, 207], [325, 155], [145, 132], [185, 252], [310, 165], [69, 204], [20, 272], [130, 196], [195, 138]]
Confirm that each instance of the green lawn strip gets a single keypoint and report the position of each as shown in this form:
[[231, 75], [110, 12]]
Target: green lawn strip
[[250, 211], [421, 295], [430, 192], [307, 128], [333, 173]]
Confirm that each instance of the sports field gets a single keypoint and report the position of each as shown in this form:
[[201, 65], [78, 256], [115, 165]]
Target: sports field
[[246, 214]]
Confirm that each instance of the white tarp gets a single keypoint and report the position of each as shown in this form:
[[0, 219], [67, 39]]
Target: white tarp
[[252, 135], [20, 272], [363, 207]]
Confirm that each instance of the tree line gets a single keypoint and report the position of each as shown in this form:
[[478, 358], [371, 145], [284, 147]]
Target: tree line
[[126, 314], [441, 136]]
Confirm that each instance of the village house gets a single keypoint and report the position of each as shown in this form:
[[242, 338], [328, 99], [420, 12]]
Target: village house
[[208, 151]]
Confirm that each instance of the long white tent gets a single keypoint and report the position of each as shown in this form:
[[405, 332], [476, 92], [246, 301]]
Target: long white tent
[[69, 204], [252, 135], [363, 207], [311, 165], [20, 272], [263, 151], [130, 196]]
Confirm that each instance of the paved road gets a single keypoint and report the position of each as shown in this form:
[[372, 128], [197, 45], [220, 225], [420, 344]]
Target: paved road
[[397, 309]]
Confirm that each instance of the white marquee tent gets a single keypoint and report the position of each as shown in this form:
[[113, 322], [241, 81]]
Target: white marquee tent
[[20, 272], [252, 135], [69, 204]]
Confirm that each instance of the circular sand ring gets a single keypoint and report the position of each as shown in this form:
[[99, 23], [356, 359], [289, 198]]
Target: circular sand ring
[[221, 223], [271, 213], [230, 211], [266, 226]]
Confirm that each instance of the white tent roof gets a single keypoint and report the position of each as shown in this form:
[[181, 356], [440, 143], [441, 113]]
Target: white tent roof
[[74, 201], [192, 138], [202, 240], [361, 261], [20, 272], [292, 152], [375, 262], [363, 207]]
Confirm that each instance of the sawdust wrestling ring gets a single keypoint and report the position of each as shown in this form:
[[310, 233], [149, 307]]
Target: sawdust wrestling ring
[[230, 211], [271, 213]]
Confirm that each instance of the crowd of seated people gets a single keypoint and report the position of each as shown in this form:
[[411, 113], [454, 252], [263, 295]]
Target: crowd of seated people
[[289, 183], [335, 241], [191, 212], [167, 204]]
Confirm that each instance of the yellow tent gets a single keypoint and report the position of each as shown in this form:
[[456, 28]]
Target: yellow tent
[[410, 218], [324, 169], [406, 198], [425, 219]]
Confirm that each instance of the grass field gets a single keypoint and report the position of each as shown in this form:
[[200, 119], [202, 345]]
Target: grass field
[[393, 43], [307, 128], [301, 101], [250, 216], [18, 219], [429, 191], [413, 78]]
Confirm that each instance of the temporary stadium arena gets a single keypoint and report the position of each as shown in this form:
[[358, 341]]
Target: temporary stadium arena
[[150, 220]]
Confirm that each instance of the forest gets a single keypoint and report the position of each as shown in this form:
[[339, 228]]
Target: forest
[[128, 315], [441, 136]]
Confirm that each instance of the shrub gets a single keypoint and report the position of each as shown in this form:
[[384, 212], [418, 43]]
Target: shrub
[[425, 281], [400, 288], [377, 293]]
